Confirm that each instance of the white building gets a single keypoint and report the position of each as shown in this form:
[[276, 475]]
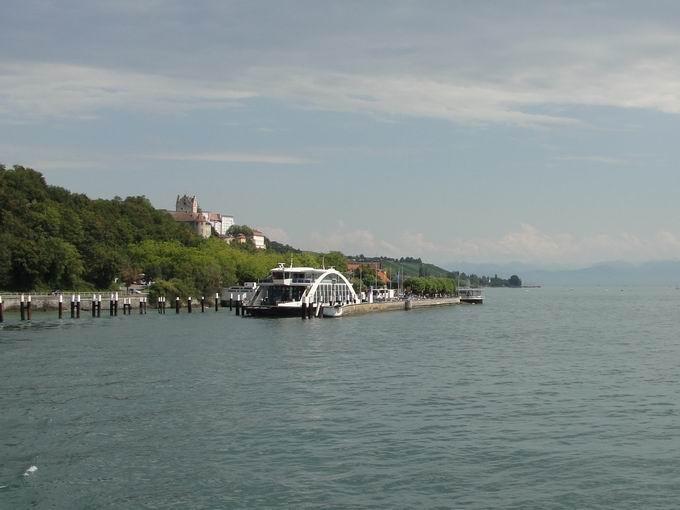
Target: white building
[[258, 240], [187, 211], [219, 222]]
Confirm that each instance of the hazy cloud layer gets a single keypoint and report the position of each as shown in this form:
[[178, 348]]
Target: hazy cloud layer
[[527, 245], [408, 114], [465, 62]]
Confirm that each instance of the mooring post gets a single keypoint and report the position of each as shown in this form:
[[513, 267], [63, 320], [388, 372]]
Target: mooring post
[[217, 300], [61, 306], [78, 306], [238, 303], [28, 307], [111, 305], [202, 304], [2, 312], [115, 305], [73, 306], [22, 310], [303, 307], [93, 310], [189, 305], [177, 304], [243, 306], [231, 300]]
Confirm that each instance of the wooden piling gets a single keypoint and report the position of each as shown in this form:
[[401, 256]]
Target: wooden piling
[[303, 308], [202, 304], [73, 306], [237, 304], [78, 306], [189, 305], [99, 305], [177, 304], [22, 310], [61, 306], [28, 307], [231, 301], [115, 305], [217, 301], [2, 311]]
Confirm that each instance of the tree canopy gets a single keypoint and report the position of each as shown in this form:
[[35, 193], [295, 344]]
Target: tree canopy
[[53, 239]]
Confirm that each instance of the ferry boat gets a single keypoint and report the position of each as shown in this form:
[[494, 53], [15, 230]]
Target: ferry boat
[[287, 288], [473, 295]]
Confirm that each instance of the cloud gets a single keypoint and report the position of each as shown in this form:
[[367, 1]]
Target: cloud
[[530, 245], [401, 95], [36, 90], [477, 65], [234, 157], [351, 241], [605, 160], [527, 245]]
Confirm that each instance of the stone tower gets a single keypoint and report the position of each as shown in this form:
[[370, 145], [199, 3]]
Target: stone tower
[[185, 203]]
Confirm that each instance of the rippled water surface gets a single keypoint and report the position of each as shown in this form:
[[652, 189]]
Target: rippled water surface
[[540, 398]]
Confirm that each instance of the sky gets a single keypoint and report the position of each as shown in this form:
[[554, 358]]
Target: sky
[[542, 133]]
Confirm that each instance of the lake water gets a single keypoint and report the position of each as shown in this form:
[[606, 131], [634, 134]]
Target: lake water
[[540, 398]]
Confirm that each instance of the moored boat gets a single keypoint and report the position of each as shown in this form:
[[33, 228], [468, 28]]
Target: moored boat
[[333, 311], [472, 295], [287, 289]]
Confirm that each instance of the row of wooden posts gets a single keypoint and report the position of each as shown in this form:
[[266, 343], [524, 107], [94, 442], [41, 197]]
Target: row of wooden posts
[[26, 309]]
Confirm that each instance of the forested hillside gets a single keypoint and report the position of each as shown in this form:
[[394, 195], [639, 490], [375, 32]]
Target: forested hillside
[[52, 239]]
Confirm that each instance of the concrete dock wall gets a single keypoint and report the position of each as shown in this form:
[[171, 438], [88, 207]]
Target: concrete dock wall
[[50, 302], [390, 306]]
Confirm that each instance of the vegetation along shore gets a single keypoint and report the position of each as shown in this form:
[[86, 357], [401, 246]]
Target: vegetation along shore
[[52, 239]]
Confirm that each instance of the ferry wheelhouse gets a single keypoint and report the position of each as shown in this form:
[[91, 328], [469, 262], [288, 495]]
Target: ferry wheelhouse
[[287, 288], [471, 295]]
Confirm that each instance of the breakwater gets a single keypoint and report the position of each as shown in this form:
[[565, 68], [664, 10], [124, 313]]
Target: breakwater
[[73, 304], [44, 302], [390, 306]]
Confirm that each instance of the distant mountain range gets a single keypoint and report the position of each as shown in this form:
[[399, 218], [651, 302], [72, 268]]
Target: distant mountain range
[[606, 273]]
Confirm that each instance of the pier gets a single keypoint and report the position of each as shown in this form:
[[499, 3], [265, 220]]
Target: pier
[[392, 306], [92, 302]]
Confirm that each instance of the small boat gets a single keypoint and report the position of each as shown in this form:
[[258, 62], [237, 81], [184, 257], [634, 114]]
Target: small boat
[[473, 295], [332, 311]]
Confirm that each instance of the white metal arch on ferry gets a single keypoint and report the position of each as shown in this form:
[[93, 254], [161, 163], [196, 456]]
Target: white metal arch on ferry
[[312, 290]]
